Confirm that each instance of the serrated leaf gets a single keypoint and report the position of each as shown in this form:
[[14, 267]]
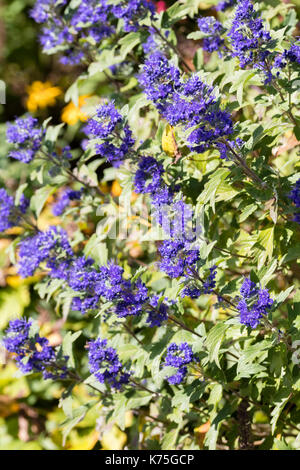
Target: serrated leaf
[[67, 346], [264, 246], [169, 439], [280, 401], [214, 340]]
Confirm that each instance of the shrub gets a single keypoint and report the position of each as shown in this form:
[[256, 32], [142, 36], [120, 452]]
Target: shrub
[[178, 290]]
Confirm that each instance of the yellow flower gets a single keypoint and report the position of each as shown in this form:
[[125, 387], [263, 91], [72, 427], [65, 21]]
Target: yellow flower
[[41, 95], [71, 113]]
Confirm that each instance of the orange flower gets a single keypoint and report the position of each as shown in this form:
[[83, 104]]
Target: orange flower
[[71, 113], [41, 95]]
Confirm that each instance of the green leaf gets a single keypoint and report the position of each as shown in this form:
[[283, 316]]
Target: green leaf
[[40, 197], [78, 415], [225, 192], [67, 346], [280, 400], [214, 340], [212, 186], [52, 134], [283, 295], [140, 399], [169, 439], [20, 192], [128, 42], [175, 13], [107, 58], [216, 421], [264, 246], [247, 211], [97, 250]]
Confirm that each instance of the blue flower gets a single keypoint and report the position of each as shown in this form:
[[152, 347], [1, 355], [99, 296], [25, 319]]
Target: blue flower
[[33, 352], [132, 12], [189, 103], [104, 283], [43, 10], [294, 195], [105, 365], [46, 247], [248, 37], [108, 125], [132, 299], [194, 291], [148, 176], [179, 356], [254, 303], [89, 21], [9, 213], [157, 311], [64, 200], [27, 136], [213, 28], [177, 257], [223, 5]]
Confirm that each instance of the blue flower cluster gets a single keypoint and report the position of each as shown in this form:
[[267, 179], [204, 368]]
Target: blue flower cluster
[[177, 220], [251, 43], [49, 247], [288, 56], [225, 4], [148, 176], [79, 30], [248, 36], [9, 213], [249, 40], [33, 352], [179, 356], [213, 28], [106, 282], [105, 365], [254, 304], [157, 311], [129, 298], [92, 284], [194, 291], [27, 136], [108, 125], [148, 180], [132, 299], [64, 200], [295, 197], [189, 103], [132, 12], [178, 257], [72, 30], [154, 42]]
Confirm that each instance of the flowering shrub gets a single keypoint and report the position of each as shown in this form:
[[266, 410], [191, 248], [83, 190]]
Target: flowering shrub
[[179, 292]]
